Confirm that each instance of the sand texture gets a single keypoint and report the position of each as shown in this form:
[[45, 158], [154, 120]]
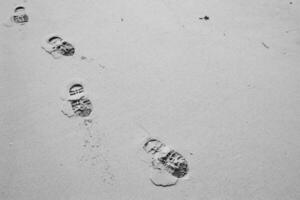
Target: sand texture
[[217, 81]]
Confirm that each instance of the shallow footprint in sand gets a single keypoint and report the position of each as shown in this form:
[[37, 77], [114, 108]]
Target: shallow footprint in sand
[[57, 47], [19, 17], [167, 164], [76, 101]]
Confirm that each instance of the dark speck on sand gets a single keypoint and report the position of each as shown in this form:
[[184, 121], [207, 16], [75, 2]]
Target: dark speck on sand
[[266, 46], [204, 18]]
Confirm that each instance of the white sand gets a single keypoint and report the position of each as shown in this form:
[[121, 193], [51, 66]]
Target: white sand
[[210, 89]]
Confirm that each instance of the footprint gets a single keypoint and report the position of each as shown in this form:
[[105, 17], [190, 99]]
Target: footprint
[[56, 46], [19, 17], [76, 100], [165, 159]]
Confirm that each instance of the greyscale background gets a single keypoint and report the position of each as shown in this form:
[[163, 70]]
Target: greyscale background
[[224, 91]]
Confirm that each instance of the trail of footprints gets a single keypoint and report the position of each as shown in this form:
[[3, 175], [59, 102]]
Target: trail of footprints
[[167, 164]]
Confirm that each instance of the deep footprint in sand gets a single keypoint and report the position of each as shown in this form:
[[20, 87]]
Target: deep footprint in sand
[[167, 164], [57, 47], [19, 17], [76, 100]]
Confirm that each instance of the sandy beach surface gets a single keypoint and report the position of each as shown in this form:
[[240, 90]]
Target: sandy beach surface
[[224, 91]]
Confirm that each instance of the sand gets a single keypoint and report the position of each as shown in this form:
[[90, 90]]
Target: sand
[[224, 92]]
